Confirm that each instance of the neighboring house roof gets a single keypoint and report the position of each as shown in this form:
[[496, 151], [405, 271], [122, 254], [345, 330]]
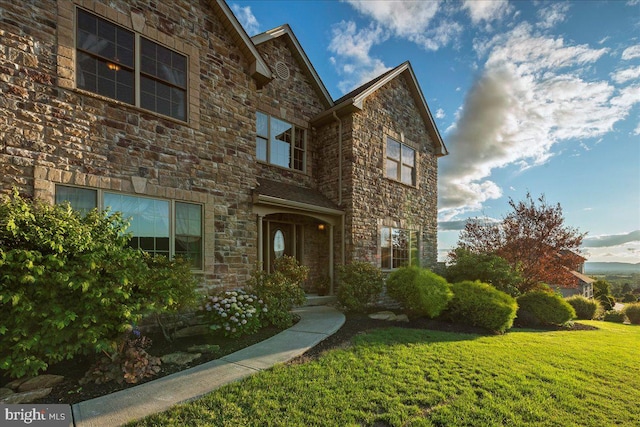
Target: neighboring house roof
[[582, 277], [300, 55], [354, 101], [276, 192], [259, 69]]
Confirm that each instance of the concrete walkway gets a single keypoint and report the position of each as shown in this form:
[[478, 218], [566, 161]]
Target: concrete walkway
[[316, 323]]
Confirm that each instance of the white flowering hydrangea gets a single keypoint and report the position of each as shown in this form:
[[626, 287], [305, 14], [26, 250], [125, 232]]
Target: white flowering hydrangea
[[235, 313]]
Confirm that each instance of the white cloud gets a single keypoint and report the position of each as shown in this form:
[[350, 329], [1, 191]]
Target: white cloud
[[623, 76], [485, 10], [553, 14], [631, 52], [636, 131], [529, 96], [246, 18], [609, 240], [440, 114]]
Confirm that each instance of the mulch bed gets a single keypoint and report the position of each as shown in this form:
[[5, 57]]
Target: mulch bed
[[71, 392]]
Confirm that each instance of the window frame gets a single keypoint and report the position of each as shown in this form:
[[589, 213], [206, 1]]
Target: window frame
[[198, 265], [392, 259], [399, 162], [297, 145], [181, 113]]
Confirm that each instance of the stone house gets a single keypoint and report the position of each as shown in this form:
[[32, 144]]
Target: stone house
[[222, 148]]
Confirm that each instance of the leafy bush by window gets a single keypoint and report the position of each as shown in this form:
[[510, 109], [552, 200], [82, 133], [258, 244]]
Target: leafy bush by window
[[632, 311], [359, 283], [586, 309], [480, 304], [280, 290], [420, 291], [70, 285], [544, 308]]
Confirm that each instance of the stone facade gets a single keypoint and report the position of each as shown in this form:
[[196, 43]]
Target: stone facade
[[53, 133]]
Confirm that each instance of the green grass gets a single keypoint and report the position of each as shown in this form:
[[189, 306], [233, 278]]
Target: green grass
[[402, 377]]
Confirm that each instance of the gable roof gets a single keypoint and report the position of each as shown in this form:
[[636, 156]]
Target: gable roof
[[354, 101], [295, 47], [259, 70]]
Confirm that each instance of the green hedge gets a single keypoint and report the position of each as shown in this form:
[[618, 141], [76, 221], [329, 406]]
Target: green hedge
[[544, 308], [632, 311], [480, 304], [359, 283], [420, 291], [586, 309]]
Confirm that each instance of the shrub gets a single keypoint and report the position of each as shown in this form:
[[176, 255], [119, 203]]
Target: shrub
[[280, 290], [359, 283], [629, 297], [234, 313], [485, 267], [632, 311], [420, 291], [70, 285], [543, 308], [480, 304], [586, 309], [614, 316]]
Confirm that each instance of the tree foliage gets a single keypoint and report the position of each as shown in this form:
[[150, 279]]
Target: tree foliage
[[532, 238]]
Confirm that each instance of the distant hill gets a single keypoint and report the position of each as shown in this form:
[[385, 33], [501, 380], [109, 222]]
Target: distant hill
[[611, 268]]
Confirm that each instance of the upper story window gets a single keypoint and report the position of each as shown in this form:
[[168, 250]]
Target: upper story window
[[280, 143], [120, 64], [157, 226], [401, 162], [399, 247]]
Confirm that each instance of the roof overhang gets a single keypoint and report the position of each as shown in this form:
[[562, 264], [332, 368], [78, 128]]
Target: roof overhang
[[258, 68]]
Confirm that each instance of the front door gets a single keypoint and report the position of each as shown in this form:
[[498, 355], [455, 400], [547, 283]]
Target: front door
[[279, 240]]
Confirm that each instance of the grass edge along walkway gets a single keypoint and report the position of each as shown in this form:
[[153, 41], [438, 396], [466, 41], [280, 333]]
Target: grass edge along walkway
[[401, 377]]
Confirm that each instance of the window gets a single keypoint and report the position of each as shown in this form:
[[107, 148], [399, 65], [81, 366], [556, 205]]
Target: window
[[401, 162], [399, 247], [151, 221], [280, 143], [120, 64]]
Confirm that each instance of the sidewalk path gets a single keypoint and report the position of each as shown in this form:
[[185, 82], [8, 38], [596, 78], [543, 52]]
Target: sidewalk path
[[316, 323]]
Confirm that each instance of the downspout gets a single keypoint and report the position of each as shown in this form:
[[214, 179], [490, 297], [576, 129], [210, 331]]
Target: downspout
[[342, 223]]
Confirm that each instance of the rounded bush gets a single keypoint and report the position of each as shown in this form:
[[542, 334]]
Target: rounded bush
[[421, 292], [360, 282], [614, 316], [586, 309], [632, 311], [544, 308], [480, 304]]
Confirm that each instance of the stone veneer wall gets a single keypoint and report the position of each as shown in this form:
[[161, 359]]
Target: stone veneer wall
[[52, 133], [376, 201]]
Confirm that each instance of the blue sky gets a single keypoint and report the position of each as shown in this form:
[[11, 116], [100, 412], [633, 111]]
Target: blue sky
[[540, 97]]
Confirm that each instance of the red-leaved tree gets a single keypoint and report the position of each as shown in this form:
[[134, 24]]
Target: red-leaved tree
[[532, 238]]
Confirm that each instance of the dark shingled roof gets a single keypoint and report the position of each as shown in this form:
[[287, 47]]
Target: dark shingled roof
[[281, 190]]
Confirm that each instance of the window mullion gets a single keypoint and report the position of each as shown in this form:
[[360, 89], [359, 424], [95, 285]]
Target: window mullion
[[136, 71]]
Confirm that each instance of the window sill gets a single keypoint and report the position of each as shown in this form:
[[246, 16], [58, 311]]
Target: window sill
[[416, 187], [281, 168]]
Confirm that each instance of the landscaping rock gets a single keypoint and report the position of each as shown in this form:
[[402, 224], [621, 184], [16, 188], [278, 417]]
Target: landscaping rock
[[13, 385], [4, 392], [180, 358], [192, 331], [40, 382], [204, 348], [402, 318], [383, 315], [26, 397]]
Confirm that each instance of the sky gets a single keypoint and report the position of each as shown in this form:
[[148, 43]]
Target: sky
[[531, 97]]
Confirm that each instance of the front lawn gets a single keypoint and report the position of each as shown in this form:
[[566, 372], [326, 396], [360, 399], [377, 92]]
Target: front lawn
[[401, 377]]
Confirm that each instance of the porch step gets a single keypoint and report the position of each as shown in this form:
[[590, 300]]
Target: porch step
[[313, 299]]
